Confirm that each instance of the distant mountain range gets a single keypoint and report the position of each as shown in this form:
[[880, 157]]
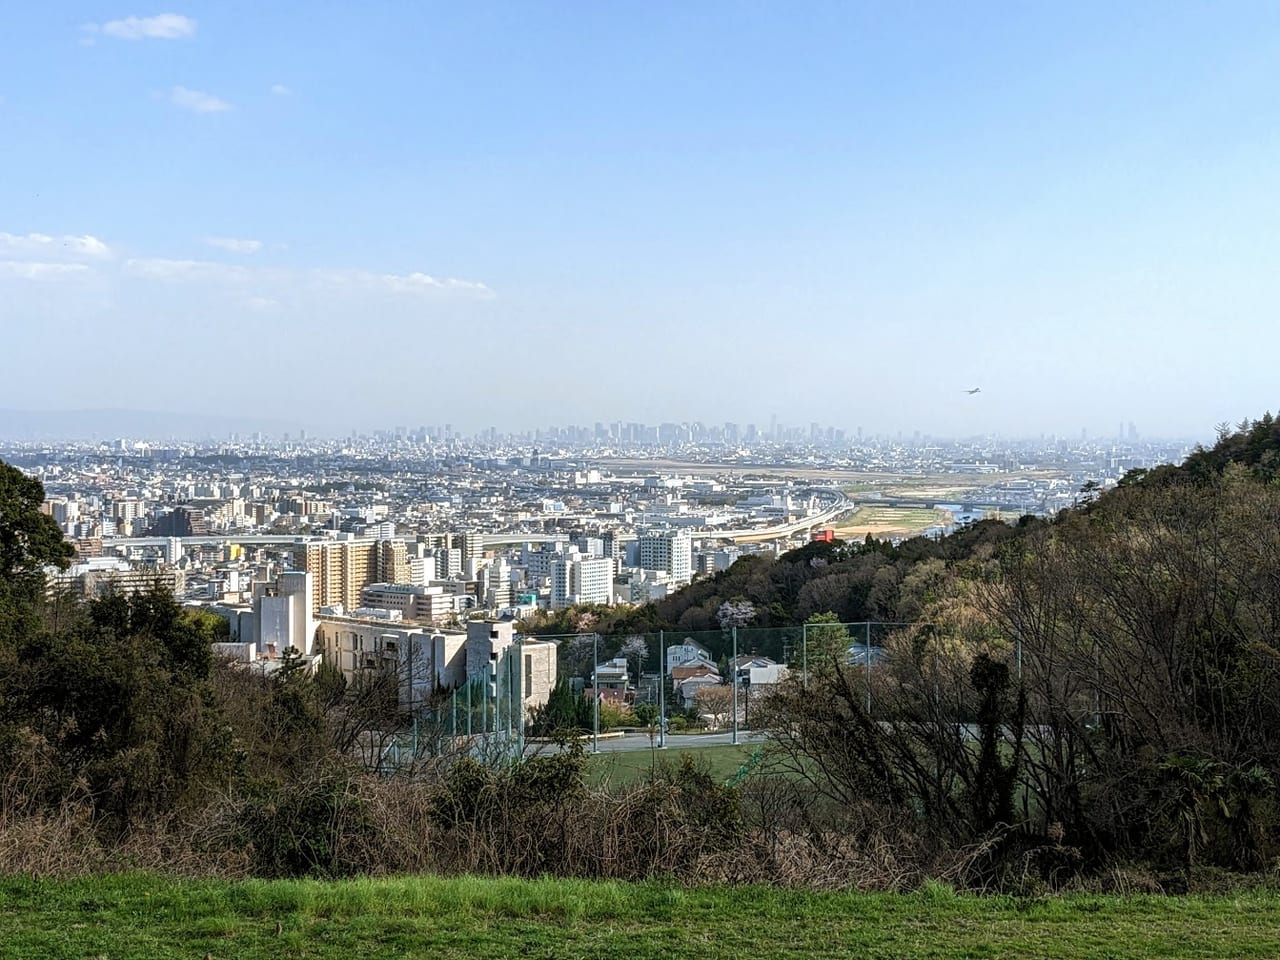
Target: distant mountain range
[[133, 425]]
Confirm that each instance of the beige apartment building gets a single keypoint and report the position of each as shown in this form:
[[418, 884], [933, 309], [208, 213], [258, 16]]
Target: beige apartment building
[[340, 569]]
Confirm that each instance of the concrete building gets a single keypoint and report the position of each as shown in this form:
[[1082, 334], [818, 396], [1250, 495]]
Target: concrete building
[[425, 661], [579, 579], [537, 672], [422, 570], [495, 582], [490, 641], [472, 545], [448, 562], [431, 604], [341, 569], [283, 616], [99, 576], [713, 561], [670, 551], [182, 521], [487, 641]]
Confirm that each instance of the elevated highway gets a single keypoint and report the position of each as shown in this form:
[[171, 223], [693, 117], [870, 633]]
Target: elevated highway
[[840, 503]]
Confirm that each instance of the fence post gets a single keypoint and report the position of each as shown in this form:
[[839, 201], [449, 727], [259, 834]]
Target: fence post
[[662, 690], [804, 655], [520, 707], [733, 665], [868, 653], [595, 692]]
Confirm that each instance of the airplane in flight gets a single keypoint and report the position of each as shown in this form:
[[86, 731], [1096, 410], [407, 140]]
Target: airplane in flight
[[973, 391]]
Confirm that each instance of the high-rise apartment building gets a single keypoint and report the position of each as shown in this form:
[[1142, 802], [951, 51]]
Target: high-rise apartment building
[[422, 570], [341, 569], [496, 583], [472, 545], [670, 551], [448, 562], [579, 579], [182, 521]]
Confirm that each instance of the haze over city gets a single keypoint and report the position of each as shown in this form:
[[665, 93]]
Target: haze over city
[[523, 215]]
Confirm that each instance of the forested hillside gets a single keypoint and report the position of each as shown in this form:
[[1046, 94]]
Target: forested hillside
[[876, 580]]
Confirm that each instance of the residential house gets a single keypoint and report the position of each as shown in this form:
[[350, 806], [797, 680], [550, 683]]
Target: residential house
[[611, 681], [689, 651]]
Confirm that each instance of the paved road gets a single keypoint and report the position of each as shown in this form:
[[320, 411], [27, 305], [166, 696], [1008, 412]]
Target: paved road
[[640, 741]]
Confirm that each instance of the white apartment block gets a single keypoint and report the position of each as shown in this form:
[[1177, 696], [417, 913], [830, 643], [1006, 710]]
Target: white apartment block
[[448, 562], [422, 570], [282, 615], [432, 604], [670, 551], [579, 579]]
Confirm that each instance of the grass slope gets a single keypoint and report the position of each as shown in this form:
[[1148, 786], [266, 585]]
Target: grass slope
[[154, 917]]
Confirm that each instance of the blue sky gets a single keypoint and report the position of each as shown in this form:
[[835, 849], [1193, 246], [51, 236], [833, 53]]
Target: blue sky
[[531, 213]]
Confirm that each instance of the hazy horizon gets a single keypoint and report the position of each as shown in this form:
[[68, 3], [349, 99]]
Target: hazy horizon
[[522, 215], [112, 424]]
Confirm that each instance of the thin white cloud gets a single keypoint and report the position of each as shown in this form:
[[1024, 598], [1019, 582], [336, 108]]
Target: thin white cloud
[[234, 245], [270, 282], [163, 26], [43, 256], [36, 270], [43, 244], [197, 101], [411, 282], [159, 268], [280, 90], [401, 283]]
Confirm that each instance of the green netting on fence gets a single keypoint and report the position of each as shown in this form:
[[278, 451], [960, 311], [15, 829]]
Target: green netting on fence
[[645, 680]]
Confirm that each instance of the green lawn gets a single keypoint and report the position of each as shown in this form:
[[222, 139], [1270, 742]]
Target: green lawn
[[152, 917], [723, 761]]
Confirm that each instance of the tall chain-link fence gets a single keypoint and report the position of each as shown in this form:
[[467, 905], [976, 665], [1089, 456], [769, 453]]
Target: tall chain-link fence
[[666, 683]]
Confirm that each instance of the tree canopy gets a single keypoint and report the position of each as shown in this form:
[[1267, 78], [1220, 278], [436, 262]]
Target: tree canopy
[[29, 540]]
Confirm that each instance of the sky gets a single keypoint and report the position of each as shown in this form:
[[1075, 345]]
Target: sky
[[532, 213]]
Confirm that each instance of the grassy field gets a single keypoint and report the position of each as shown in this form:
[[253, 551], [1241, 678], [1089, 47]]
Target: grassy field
[[883, 521], [143, 916], [723, 761]]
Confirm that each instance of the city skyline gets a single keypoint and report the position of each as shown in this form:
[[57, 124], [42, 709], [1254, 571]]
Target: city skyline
[[109, 425], [523, 215]]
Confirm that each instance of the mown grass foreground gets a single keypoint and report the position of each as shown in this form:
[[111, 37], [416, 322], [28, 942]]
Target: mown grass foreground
[[148, 916]]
